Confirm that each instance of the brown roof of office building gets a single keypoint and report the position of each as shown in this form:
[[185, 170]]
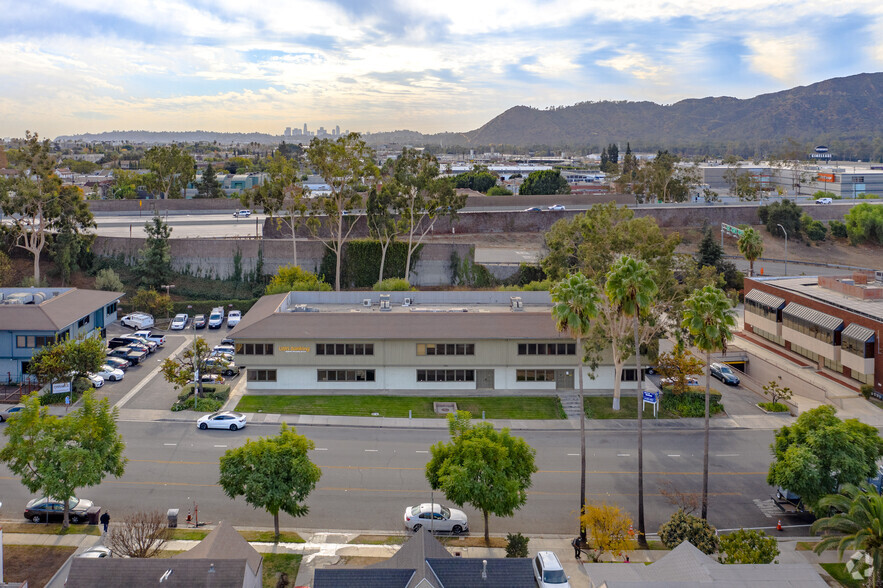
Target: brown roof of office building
[[57, 312]]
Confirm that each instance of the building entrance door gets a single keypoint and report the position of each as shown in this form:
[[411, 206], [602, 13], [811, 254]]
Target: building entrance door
[[564, 379], [484, 379]]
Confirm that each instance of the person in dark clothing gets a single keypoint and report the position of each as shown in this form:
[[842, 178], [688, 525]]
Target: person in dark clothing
[[577, 551], [105, 520]]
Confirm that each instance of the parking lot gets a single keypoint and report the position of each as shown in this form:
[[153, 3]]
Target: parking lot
[[143, 385]]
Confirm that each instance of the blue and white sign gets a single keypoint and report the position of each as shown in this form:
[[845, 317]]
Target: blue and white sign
[[651, 397], [61, 387]]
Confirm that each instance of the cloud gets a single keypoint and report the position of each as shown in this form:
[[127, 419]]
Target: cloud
[[638, 66], [780, 57]]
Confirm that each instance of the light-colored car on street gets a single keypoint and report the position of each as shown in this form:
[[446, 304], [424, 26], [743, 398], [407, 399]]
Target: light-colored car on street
[[179, 323], [548, 571], [556, 207], [824, 200], [233, 318], [110, 373], [11, 412], [436, 517], [245, 213], [225, 419]]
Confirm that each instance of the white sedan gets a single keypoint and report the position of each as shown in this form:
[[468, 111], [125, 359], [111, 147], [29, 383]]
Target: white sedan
[[110, 373], [179, 322], [556, 207], [225, 419], [233, 318], [96, 380], [436, 517]]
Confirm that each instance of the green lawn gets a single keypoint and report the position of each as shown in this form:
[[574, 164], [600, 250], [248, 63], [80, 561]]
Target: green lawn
[[276, 563], [838, 572], [601, 407], [500, 407]]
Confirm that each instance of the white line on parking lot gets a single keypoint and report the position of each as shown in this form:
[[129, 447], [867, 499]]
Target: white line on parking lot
[[220, 446], [321, 449], [674, 454], [573, 454], [622, 455], [372, 450], [170, 444], [421, 451]]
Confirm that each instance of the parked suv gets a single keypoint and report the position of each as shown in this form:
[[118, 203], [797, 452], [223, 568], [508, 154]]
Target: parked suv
[[216, 318], [724, 373], [548, 571], [132, 356]]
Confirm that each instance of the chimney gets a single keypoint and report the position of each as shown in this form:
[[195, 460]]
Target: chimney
[[484, 569]]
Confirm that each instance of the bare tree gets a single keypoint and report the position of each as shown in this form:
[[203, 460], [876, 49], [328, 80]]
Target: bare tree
[[141, 534], [686, 501]]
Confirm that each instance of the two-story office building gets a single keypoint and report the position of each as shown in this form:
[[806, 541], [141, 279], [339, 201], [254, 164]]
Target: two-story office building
[[31, 318], [835, 322], [366, 341]]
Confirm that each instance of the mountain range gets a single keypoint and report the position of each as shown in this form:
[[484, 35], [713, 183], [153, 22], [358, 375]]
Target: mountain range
[[847, 110]]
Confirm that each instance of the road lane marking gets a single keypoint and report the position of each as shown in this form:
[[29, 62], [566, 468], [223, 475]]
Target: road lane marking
[[372, 450], [421, 451], [221, 446], [170, 444], [573, 454], [622, 455], [321, 449], [674, 454]]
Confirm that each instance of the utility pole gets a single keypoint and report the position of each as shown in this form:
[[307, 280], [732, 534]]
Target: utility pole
[[786, 247], [169, 287]]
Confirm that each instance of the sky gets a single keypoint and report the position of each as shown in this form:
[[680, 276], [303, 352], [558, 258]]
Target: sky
[[75, 66]]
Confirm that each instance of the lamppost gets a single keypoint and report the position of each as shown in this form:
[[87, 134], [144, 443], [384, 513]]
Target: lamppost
[[786, 247], [170, 286]]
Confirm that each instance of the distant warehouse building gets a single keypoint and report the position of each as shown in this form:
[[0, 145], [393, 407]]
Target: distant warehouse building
[[365, 341], [836, 322]]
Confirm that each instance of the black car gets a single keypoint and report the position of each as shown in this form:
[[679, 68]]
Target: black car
[[199, 321], [131, 355], [41, 510]]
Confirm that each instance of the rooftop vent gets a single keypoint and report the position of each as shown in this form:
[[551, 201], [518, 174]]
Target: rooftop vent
[[303, 308], [384, 302], [366, 302], [516, 303]]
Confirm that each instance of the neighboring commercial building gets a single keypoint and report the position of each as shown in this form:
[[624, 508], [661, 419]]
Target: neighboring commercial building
[[836, 322], [31, 318], [844, 182], [370, 342]]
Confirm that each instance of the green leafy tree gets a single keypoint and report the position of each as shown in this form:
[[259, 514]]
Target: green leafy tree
[[69, 249], [857, 523], [68, 359], [685, 527], [547, 181], [54, 456], [785, 213], [125, 184], [819, 452], [291, 278], [109, 281], [35, 202], [171, 169], [864, 223], [272, 473], [776, 392], [5, 268], [499, 191], [631, 286], [152, 302], [747, 547], [677, 367], [664, 179], [155, 265], [346, 165], [491, 470], [751, 247], [574, 305], [181, 370], [815, 230], [710, 320], [479, 179], [209, 186]]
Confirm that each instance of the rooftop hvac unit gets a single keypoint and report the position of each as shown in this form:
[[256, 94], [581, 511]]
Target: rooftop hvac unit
[[384, 302], [878, 275], [366, 302], [22, 298], [407, 302], [516, 303]]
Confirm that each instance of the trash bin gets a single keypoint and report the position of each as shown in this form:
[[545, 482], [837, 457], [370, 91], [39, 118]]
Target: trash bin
[[173, 518], [92, 515]]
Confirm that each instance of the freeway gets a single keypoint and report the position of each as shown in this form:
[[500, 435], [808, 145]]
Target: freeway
[[371, 474]]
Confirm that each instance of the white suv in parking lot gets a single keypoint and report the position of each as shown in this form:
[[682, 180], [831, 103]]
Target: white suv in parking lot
[[548, 571], [216, 318]]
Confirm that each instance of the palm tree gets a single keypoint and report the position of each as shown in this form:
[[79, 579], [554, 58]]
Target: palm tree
[[576, 301], [630, 285], [710, 320], [751, 247], [858, 524]]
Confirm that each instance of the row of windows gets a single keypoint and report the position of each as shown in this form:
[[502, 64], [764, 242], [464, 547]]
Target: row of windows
[[547, 349], [861, 348], [261, 375], [811, 329], [445, 349], [29, 341], [84, 321], [254, 349], [762, 310], [345, 375], [445, 375], [110, 309], [828, 363], [344, 348], [534, 375]]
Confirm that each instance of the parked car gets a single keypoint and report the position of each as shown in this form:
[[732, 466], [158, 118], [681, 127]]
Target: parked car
[[229, 349], [242, 214], [222, 365], [111, 373], [133, 356], [533, 209], [199, 321], [11, 412], [824, 200], [96, 551], [548, 571], [216, 318], [151, 345], [137, 320], [691, 381], [96, 380], [117, 363], [160, 340], [41, 510], [208, 379], [225, 419], [556, 207], [179, 323], [436, 517], [227, 341], [725, 374], [233, 318], [118, 342]]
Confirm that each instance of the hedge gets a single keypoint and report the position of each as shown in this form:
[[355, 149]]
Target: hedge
[[361, 263], [691, 404]]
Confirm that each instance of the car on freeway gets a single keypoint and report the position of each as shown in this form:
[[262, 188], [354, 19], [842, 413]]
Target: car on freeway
[[725, 374], [436, 517], [110, 373], [242, 213], [233, 318], [216, 318], [557, 207], [533, 209], [222, 364], [117, 363], [225, 419], [11, 412], [96, 380], [137, 320], [548, 571], [133, 356], [41, 510], [824, 200], [160, 340], [179, 323], [199, 321], [96, 551]]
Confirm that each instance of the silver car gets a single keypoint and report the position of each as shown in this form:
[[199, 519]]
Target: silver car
[[436, 517]]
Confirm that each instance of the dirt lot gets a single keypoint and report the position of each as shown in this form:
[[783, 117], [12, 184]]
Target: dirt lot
[[36, 564]]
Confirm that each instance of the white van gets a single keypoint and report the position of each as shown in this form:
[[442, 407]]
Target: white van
[[216, 318], [137, 320]]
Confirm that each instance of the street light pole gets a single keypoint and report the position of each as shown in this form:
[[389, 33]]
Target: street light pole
[[170, 286], [786, 247]]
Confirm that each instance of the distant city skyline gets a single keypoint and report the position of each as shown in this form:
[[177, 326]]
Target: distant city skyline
[[230, 66]]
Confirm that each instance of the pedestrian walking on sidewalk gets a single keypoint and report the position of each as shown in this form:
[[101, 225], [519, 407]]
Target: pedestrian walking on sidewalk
[[105, 520], [577, 551]]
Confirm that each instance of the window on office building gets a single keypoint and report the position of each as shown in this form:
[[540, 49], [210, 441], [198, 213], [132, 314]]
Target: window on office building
[[254, 349], [534, 375], [261, 375], [547, 349], [345, 375], [344, 348], [445, 348], [33, 341]]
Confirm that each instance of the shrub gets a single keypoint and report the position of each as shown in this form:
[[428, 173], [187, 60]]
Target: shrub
[[393, 285], [684, 527], [748, 547], [516, 545], [773, 406], [838, 229], [57, 398], [109, 280], [785, 213], [691, 404], [864, 222], [212, 399], [813, 229], [292, 277], [867, 391], [499, 191]]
